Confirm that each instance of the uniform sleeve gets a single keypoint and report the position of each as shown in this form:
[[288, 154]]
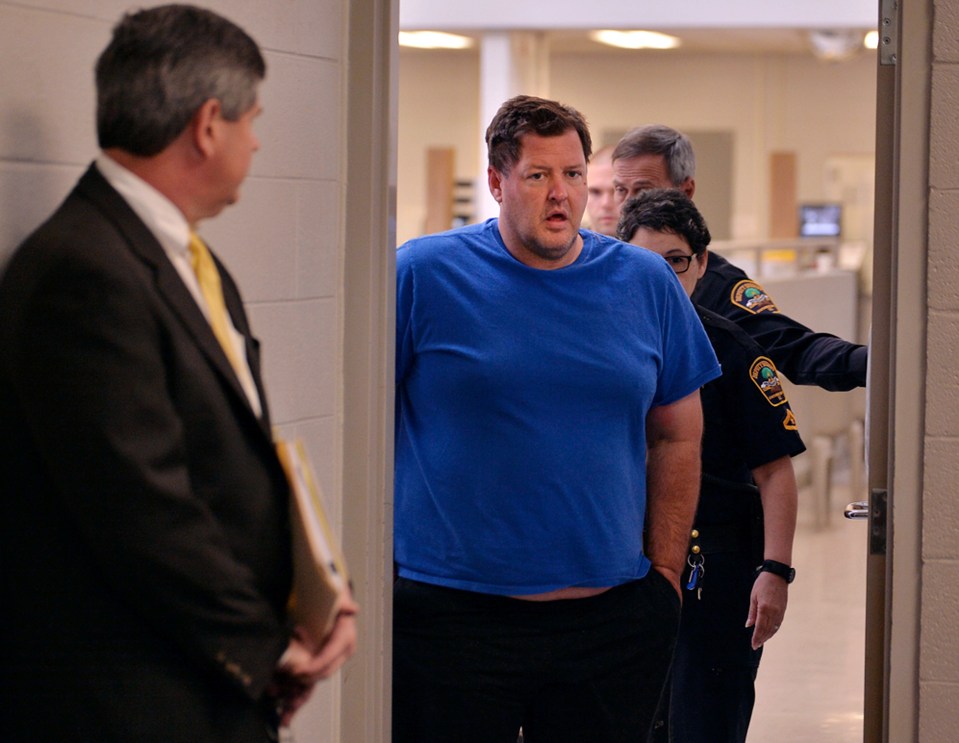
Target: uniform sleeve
[[767, 427], [804, 356]]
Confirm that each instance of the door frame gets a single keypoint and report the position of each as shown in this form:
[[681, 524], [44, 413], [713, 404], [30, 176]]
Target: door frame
[[897, 379], [368, 325]]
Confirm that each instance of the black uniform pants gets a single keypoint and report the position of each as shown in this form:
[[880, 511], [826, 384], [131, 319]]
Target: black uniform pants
[[711, 684], [474, 668]]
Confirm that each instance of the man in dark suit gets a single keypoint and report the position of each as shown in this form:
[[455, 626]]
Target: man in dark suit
[[144, 532]]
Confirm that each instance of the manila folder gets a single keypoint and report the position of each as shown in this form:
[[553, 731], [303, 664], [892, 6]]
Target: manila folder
[[320, 580]]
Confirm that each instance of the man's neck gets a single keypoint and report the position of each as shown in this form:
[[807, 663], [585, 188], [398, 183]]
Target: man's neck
[[160, 172]]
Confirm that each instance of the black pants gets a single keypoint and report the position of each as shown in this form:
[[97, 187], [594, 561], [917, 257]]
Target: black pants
[[711, 690], [474, 668]]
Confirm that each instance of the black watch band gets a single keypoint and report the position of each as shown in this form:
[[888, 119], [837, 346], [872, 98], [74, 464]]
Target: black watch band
[[781, 569]]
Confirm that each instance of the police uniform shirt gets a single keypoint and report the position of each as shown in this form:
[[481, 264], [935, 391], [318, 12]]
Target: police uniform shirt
[[804, 356], [748, 421]]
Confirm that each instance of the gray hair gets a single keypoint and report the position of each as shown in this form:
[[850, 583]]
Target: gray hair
[[159, 68], [657, 139]]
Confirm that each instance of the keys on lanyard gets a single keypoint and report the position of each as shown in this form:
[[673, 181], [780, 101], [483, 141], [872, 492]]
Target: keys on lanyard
[[697, 569], [697, 566]]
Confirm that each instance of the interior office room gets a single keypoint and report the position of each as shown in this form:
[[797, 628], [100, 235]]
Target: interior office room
[[366, 143]]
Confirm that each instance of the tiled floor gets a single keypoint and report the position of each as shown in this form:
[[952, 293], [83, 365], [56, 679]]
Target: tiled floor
[[811, 678]]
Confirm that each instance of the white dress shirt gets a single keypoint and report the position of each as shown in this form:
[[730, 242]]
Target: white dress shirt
[[169, 226]]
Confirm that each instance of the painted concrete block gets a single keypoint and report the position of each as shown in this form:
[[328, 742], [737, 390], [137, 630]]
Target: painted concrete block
[[319, 213], [942, 389], [257, 239], [300, 357], [939, 504], [937, 702], [46, 75], [944, 127], [943, 273], [945, 31], [300, 127], [939, 646]]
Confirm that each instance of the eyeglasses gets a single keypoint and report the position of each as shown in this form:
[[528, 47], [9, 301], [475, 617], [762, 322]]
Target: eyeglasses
[[679, 263]]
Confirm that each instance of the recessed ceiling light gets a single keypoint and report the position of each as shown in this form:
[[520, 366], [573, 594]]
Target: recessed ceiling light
[[871, 40], [834, 44], [635, 39], [434, 40]]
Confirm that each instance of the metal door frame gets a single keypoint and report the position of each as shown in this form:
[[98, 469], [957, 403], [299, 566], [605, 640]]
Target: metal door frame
[[897, 374]]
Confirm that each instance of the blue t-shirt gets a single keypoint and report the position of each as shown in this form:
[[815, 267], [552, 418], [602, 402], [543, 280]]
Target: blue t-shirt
[[522, 397]]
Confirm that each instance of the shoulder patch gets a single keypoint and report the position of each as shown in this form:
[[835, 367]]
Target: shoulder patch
[[750, 296], [789, 422], [766, 378]]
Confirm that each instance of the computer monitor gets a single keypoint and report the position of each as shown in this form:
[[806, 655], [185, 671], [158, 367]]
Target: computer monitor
[[820, 220]]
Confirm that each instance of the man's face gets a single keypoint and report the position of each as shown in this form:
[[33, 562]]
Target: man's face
[[677, 253], [234, 154], [542, 200], [602, 207], [634, 175]]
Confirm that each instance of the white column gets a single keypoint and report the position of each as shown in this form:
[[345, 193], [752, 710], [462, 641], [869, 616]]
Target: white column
[[511, 63]]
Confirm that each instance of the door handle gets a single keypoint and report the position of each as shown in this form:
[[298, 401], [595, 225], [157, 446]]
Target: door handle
[[875, 510], [857, 510]]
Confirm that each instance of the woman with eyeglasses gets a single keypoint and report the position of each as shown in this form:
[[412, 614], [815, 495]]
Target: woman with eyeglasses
[[739, 564]]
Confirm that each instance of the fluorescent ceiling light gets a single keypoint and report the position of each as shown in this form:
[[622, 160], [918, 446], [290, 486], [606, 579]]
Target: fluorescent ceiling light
[[871, 40], [635, 39], [434, 40]]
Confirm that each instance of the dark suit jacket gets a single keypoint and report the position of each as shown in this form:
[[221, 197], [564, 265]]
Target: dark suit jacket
[[143, 512]]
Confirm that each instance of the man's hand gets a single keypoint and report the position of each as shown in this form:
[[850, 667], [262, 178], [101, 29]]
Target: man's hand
[[777, 488], [673, 577], [767, 607], [304, 663], [673, 463]]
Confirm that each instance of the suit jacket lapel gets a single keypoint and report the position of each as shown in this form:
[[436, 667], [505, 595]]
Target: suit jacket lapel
[[234, 305], [94, 187]]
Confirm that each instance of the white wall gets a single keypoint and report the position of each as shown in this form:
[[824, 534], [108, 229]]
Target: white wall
[[769, 102], [939, 653], [283, 241], [439, 106]]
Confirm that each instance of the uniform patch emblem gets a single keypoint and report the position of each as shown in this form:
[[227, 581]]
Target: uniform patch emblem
[[750, 296], [789, 422], [766, 378]]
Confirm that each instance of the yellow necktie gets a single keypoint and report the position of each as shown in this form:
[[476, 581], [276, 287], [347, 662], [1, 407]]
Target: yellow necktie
[[209, 280]]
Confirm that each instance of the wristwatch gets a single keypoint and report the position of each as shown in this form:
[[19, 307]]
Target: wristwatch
[[781, 569]]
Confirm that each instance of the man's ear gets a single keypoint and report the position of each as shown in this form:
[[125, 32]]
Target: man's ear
[[688, 187], [203, 127], [495, 180]]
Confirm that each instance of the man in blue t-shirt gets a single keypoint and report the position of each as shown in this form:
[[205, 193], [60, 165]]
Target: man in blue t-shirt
[[547, 459]]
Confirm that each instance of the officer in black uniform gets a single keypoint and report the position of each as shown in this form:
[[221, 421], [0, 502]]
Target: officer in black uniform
[[657, 156], [739, 563]]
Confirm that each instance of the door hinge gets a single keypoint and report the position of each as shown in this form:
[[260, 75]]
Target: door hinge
[[889, 32]]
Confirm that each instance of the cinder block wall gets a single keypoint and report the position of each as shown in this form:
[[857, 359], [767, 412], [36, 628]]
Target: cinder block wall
[[939, 639], [282, 241]]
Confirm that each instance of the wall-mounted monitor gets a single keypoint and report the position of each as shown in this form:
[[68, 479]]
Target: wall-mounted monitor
[[820, 220]]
